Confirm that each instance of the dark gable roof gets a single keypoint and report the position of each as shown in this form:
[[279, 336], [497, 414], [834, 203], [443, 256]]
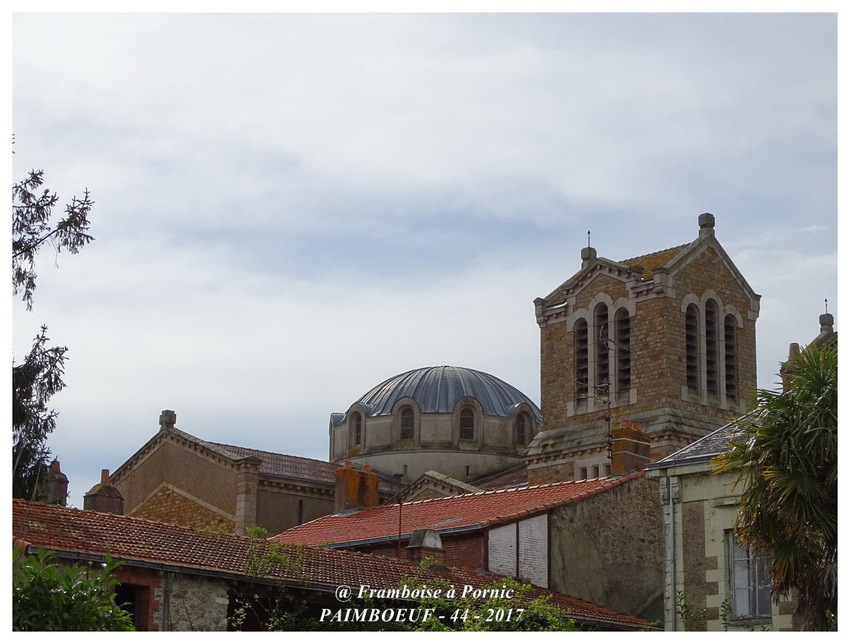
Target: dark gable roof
[[291, 467], [702, 450], [84, 535]]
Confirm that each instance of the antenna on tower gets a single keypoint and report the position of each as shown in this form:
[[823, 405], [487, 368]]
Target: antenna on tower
[[825, 305], [588, 239]]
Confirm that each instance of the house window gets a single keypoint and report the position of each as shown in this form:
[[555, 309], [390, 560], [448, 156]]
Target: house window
[[749, 581], [582, 473], [602, 349], [730, 351], [623, 331], [582, 360], [356, 428], [711, 347], [692, 349], [407, 423], [596, 471], [467, 424]]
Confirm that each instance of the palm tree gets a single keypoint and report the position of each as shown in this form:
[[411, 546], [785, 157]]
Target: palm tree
[[787, 458]]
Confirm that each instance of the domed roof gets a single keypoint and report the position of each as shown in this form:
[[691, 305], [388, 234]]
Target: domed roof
[[437, 390]]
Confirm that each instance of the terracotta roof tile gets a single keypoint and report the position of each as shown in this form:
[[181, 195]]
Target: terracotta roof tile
[[139, 542], [467, 511]]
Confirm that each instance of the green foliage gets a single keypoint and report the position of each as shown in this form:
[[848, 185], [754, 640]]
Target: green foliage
[[787, 460], [34, 382], [506, 605], [691, 618], [39, 376], [32, 228], [270, 607], [47, 597]]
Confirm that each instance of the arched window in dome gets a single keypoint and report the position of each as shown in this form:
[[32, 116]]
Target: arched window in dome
[[523, 430], [467, 424], [356, 427], [407, 423]]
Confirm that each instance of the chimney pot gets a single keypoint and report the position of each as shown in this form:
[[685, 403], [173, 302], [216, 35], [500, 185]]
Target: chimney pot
[[104, 477]]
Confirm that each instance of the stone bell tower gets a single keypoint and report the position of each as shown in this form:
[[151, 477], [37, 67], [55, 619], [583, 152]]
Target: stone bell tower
[[665, 341]]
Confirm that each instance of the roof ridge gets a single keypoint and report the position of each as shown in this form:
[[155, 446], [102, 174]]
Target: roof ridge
[[264, 451], [125, 518], [656, 252]]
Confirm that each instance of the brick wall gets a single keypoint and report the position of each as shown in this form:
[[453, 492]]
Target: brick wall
[[461, 551], [170, 506]]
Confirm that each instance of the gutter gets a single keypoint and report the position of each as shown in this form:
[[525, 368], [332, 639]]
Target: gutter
[[342, 545], [178, 569]]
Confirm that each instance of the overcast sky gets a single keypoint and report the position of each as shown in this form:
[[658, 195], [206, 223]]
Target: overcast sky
[[292, 208]]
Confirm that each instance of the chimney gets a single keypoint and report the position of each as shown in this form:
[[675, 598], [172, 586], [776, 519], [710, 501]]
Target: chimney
[[630, 448], [57, 485], [104, 497], [355, 488], [425, 543]]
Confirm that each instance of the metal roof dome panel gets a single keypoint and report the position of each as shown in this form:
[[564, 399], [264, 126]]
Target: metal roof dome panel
[[438, 389]]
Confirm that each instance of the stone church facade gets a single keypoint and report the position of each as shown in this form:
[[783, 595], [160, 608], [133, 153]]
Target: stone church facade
[[664, 342]]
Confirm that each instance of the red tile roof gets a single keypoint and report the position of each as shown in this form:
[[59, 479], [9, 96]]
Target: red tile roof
[[82, 534], [447, 514]]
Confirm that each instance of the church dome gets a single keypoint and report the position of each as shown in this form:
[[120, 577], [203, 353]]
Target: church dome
[[438, 389]]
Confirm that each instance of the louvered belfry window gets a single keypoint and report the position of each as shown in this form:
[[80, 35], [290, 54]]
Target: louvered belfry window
[[731, 358], [581, 347], [622, 347], [692, 348], [711, 347]]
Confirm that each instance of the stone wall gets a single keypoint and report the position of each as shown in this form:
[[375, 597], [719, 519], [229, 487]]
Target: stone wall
[[196, 604], [609, 549]]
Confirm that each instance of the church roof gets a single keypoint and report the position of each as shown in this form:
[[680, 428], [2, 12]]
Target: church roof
[[461, 513], [285, 465], [89, 536], [648, 264], [438, 389]]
